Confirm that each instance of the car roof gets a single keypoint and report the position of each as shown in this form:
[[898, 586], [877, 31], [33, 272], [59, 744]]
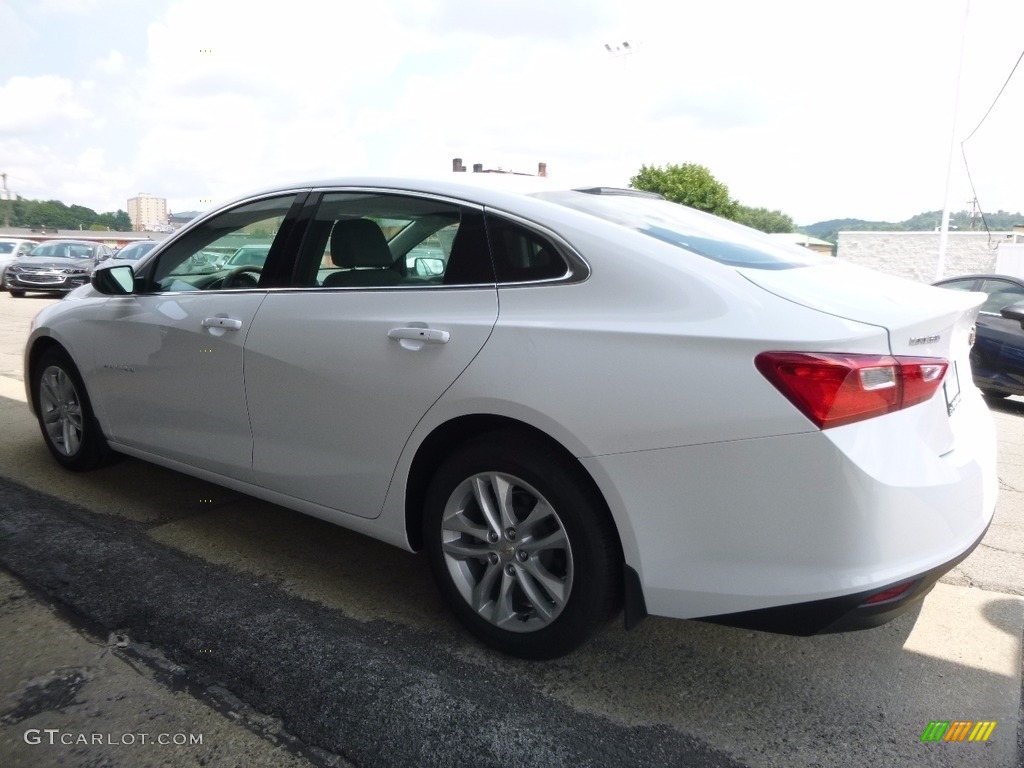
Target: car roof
[[498, 190], [68, 242], [1010, 278]]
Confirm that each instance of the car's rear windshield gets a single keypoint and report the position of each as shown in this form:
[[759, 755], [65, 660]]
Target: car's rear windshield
[[709, 236]]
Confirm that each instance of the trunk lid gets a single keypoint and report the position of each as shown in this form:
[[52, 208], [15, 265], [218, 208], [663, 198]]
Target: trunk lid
[[921, 320]]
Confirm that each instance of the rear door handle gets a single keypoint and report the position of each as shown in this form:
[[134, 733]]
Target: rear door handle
[[428, 335], [227, 323]]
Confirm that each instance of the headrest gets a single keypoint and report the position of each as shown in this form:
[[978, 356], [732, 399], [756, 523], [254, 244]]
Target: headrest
[[359, 243]]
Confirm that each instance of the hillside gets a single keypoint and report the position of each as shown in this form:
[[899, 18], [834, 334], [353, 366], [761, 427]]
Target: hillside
[[1000, 221]]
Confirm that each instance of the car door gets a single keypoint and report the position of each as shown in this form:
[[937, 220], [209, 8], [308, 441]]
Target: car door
[[169, 357], [340, 368], [1000, 342]]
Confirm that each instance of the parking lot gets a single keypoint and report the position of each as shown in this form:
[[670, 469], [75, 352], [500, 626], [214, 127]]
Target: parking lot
[[135, 600]]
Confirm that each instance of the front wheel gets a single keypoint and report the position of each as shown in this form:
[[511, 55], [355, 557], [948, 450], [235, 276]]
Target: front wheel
[[16, 293], [522, 548], [66, 420]]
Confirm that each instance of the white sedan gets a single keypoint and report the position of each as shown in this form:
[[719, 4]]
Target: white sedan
[[586, 401]]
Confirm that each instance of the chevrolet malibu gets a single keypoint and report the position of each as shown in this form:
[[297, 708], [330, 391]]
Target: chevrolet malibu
[[56, 266], [593, 402]]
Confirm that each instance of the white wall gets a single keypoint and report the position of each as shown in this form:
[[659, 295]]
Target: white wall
[[1010, 259], [915, 255]]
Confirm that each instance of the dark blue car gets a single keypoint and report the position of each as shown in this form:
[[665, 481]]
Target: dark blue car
[[997, 359]]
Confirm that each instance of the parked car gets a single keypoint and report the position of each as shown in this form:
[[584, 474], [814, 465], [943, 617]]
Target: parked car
[[997, 358], [12, 248], [135, 251], [603, 400], [252, 254], [56, 266]]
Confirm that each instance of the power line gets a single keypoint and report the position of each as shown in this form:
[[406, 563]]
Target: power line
[[963, 150], [1008, 78]]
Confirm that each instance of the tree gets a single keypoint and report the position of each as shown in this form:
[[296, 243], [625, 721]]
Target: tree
[[694, 186], [688, 184], [763, 219]]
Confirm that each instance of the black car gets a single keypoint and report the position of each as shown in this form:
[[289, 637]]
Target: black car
[[56, 266], [997, 359]]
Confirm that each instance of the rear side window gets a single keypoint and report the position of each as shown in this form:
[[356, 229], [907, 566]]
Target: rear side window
[[694, 231], [521, 255], [387, 240], [1000, 294]]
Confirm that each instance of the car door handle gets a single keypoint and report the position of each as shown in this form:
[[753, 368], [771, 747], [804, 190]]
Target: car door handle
[[428, 335], [227, 323]]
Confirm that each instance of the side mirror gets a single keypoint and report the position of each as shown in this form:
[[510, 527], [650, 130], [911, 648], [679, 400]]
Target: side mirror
[[114, 280], [429, 266]]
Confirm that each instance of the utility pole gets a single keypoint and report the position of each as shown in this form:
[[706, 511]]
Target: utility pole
[[975, 210], [5, 198]]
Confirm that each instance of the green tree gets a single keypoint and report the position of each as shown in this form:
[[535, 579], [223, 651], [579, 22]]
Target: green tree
[[119, 221], [763, 219], [688, 184]]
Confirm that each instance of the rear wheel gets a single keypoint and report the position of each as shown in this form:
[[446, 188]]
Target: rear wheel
[[522, 548], [65, 415]]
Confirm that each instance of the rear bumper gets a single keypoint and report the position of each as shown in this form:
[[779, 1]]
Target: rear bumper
[[843, 614], [796, 532]]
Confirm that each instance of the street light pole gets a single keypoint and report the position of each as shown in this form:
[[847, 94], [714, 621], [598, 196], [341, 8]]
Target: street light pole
[[940, 266]]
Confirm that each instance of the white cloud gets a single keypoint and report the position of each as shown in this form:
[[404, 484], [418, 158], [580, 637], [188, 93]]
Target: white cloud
[[111, 64], [40, 103], [821, 110]]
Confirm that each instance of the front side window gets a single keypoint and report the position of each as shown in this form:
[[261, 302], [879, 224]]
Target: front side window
[[373, 240], [227, 251]]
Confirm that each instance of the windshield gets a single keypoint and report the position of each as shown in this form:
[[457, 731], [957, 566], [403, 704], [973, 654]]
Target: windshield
[[64, 250], [134, 251], [703, 234], [252, 255]]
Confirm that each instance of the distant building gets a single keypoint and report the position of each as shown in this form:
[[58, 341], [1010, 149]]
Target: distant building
[[147, 213], [458, 167], [179, 220], [799, 238]]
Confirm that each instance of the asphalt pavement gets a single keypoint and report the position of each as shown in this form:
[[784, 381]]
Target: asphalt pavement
[[147, 618]]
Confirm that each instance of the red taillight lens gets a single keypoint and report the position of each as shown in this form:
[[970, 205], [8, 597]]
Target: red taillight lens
[[890, 594], [836, 389]]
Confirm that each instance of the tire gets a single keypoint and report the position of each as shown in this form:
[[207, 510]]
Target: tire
[[66, 419], [15, 293], [525, 600]]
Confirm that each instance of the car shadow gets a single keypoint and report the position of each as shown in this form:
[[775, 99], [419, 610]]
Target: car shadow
[[1013, 405]]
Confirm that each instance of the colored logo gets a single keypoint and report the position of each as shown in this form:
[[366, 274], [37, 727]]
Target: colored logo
[[958, 730]]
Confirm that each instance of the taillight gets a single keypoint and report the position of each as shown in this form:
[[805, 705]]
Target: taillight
[[835, 389], [893, 593]]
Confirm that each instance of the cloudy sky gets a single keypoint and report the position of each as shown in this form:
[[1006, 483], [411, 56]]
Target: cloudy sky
[[820, 109]]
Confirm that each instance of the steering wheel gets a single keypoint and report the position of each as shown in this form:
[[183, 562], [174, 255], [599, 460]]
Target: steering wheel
[[233, 278]]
